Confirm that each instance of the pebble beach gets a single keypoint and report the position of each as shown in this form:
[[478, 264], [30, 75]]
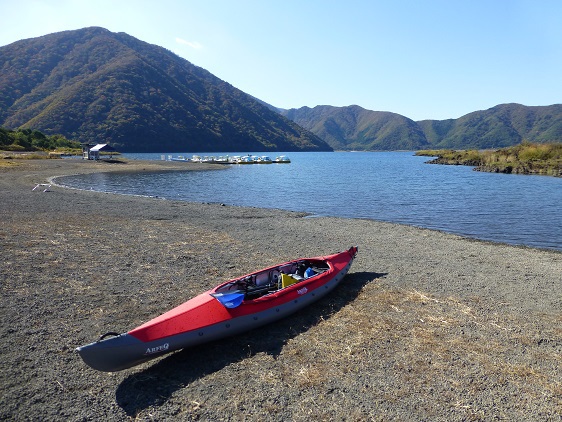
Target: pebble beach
[[426, 325]]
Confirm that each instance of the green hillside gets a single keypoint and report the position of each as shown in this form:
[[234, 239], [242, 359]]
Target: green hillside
[[354, 128], [500, 126], [92, 85], [33, 140]]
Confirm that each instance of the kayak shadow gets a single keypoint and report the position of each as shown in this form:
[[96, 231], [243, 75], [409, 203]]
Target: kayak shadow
[[156, 384]]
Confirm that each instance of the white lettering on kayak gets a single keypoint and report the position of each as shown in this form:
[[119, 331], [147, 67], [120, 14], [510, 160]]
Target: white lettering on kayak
[[302, 291], [161, 348]]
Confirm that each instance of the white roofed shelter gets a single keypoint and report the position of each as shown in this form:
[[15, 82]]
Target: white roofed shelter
[[94, 152]]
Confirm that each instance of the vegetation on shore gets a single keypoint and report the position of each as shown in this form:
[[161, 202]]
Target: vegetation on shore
[[28, 144], [525, 158], [26, 140]]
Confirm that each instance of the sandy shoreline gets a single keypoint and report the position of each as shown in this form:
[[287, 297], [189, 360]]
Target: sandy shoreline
[[428, 326]]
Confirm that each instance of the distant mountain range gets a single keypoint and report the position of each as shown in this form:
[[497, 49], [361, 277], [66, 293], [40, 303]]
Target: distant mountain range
[[500, 126], [354, 128], [92, 85]]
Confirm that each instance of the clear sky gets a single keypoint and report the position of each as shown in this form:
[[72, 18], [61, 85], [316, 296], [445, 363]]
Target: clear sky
[[424, 59]]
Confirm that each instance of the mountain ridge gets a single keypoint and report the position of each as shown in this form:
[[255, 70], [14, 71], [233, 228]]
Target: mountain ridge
[[93, 84], [356, 128], [353, 127]]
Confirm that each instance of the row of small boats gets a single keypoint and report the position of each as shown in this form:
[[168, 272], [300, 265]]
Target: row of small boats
[[235, 159]]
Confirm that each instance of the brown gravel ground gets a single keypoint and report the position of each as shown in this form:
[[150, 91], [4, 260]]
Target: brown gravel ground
[[426, 326]]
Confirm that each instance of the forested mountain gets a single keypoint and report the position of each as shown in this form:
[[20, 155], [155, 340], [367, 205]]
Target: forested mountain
[[500, 126], [504, 125], [354, 128], [92, 85]]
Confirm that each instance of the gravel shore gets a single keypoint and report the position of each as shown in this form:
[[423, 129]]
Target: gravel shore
[[426, 326]]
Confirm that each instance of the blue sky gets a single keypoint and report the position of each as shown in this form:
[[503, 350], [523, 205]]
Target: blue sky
[[424, 59]]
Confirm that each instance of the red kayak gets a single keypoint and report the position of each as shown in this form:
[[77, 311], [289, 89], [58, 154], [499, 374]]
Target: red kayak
[[231, 308]]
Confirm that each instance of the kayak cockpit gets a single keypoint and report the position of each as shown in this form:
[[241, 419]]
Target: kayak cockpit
[[268, 281]]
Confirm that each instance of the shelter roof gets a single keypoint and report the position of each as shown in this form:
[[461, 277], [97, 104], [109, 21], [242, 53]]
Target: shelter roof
[[104, 147]]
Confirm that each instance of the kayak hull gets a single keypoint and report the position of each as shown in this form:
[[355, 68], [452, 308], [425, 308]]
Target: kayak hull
[[204, 319]]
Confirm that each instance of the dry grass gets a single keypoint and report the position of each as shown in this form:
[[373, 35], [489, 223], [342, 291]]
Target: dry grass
[[26, 156], [392, 346], [442, 348], [526, 158], [7, 163]]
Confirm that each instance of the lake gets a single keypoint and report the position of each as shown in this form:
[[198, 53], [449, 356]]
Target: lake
[[396, 187]]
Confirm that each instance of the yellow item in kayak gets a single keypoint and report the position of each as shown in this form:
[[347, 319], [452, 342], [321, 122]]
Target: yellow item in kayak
[[287, 280]]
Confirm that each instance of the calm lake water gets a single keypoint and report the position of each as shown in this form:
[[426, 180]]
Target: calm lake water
[[388, 186]]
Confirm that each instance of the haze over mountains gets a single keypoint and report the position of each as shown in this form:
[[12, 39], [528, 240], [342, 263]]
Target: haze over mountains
[[93, 85]]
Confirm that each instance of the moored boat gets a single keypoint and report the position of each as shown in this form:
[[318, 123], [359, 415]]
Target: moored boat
[[246, 160], [264, 159], [283, 159], [179, 158], [223, 160], [233, 307]]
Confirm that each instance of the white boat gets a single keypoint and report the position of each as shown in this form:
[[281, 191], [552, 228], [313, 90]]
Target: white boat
[[264, 159], [223, 160], [179, 158], [282, 159], [208, 159], [248, 159]]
